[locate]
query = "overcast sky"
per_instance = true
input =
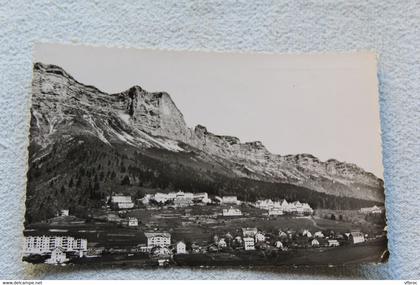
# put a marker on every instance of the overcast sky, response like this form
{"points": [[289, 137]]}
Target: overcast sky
{"points": [[323, 104]]}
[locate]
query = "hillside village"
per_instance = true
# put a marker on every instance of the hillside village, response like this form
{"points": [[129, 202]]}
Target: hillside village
{"points": [[159, 243]]}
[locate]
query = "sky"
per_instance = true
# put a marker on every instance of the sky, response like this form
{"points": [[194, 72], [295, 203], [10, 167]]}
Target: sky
{"points": [[323, 104]]}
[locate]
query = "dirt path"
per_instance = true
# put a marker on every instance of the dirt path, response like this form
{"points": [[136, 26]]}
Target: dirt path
{"points": [[315, 224]]}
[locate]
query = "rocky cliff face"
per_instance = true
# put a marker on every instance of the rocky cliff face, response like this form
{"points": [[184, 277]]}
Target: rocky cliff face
{"points": [[64, 107]]}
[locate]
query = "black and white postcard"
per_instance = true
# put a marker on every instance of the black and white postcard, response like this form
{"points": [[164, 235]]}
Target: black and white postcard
{"points": [[178, 158]]}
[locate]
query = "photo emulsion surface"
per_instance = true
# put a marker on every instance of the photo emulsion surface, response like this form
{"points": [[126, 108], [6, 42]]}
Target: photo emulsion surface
{"points": [[161, 158]]}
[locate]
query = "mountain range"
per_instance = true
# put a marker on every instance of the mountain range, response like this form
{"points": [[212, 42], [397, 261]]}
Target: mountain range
{"points": [[85, 144]]}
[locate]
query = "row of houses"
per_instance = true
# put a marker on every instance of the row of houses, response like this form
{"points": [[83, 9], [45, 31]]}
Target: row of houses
{"points": [[160, 242], [184, 199], [278, 208]]}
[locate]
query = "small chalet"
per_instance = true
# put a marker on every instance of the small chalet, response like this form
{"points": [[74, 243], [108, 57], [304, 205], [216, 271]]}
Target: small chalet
{"points": [[181, 248], [315, 243], [357, 237], [333, 242], [133, 222], [231, 212], [58, 256], [249, 232]]}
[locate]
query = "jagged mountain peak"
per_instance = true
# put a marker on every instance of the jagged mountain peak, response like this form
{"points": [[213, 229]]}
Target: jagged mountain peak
{"points": [[63, 106]]}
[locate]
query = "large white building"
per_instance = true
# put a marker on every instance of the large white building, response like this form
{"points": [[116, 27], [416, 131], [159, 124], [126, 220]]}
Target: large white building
{"points": [[46, 244], [180, 198], [276, 208], [249, 243], [121, 201], [158, 239]]}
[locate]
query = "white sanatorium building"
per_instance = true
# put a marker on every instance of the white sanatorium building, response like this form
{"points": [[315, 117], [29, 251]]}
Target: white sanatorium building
{"points": [[276, 208], [180, 198], [158, 239], [47, 244], [121, 201]]}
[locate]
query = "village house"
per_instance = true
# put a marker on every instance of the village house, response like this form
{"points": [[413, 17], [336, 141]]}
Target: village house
{"points": [[249, 232], [133, 222], [279, 244], [181, 248], [259, 237], [158, 239], [282, 234], [46, 244], [120, 201], [315, 243], [249, 243], [264, 204], [318, 234], [306, 209], [357, 237], [161, 251], [333, 242], [231, 212], [306, 233], [222, 243], [372, 210], [58, 256]]}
